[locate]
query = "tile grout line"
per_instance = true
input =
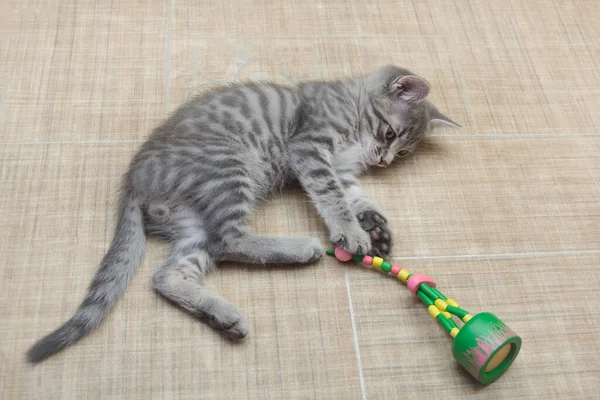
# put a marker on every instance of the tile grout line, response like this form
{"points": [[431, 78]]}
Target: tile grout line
{"points": [[500, 255], [445, 135], [168, 56], [302, 37], [3, 98], [514, 135], [458, 70], [355, 337], [314, 56], [81, 142]]}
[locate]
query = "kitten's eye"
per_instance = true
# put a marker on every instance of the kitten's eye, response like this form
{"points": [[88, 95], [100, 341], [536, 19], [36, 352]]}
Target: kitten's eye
{"points": [[403, 153], [390, 134]]}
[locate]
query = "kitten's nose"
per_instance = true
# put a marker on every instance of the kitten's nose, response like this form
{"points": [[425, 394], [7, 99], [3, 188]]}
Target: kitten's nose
{"points": [[383, 163]]}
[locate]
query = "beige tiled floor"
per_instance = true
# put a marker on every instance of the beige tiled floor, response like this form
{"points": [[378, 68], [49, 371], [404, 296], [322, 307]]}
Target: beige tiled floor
{"points": [[529, 66], [300, 18], [504, 212]]}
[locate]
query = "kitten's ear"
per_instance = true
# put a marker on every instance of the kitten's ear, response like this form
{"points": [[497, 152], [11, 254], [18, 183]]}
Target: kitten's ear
{"points": [[410, 88], [439, 120]]}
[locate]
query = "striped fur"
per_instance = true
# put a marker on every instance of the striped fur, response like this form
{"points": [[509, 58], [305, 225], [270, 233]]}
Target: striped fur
{"points": [[197, 178]]}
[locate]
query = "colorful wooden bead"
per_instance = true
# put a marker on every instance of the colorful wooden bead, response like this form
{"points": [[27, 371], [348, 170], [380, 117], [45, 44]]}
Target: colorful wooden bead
{"points": [[377, 261], [441, 304], [415, 281], [395, 269], [342, 254], [452, 303], [367, 260], [433, 310], [403, 275], [454, 332], [386, 266]]}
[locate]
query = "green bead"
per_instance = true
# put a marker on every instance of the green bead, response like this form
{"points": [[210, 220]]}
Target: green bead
{"points": [[427, 290], [486, 340], [454, 325], [357, 258], [386, 266], [444, 322], [424, 298], [459, 312], [439, 294]]}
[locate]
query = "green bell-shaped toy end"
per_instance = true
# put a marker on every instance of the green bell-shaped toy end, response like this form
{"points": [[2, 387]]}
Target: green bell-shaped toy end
{"points": [[486, 347]]}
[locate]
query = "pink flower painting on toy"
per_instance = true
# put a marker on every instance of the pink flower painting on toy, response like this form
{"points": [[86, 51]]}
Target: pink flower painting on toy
{"points": [[480, 353]]}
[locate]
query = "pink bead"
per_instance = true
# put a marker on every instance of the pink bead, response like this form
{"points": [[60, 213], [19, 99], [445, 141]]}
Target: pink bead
{"points": [[395, 269], [415, 281], [342, 254], [367, 260]]}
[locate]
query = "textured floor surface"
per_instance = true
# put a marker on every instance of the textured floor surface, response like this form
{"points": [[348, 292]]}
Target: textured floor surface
{"points": [[505, 212]]}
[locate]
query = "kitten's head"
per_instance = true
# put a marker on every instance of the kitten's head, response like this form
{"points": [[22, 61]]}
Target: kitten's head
{"points": [[398, 114]]}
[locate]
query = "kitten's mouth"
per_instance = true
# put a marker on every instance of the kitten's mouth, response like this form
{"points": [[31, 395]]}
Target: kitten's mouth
{"points": [[375, 157], [382, 163]]}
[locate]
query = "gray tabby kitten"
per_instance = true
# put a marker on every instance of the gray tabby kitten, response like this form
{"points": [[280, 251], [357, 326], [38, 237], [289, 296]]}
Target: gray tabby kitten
{"points": [[197, 178]]}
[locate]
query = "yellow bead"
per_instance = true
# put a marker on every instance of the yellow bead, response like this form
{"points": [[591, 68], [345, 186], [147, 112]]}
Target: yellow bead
{"points": [[377, 261], [452, 303], [403, 275], [433, 310], [441, 304], [467, 317], [454, 332], [447, 314]]}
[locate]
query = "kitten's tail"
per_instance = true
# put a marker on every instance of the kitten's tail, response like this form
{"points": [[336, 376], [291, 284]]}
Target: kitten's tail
{"points": [[118, 265]]}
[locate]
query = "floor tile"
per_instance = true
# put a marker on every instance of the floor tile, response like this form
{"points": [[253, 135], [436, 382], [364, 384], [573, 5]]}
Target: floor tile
{"points": [[464, 194], [97, 73], [199, 64], [528, 68], [294, 18]]}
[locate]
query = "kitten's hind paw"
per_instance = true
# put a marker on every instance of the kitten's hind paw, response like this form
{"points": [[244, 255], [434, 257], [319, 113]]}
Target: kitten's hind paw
{"points": [[225, 318], [376, 226], [311, 251]]}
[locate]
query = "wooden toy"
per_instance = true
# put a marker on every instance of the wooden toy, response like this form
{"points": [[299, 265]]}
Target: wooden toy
{"points": [[484, 345]]}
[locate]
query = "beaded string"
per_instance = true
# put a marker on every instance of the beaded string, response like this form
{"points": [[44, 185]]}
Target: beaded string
{"points": [[439, 306]]}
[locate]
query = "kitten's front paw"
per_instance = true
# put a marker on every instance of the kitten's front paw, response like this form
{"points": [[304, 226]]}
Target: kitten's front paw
{"points": [[376, 225], [355, 241]]}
